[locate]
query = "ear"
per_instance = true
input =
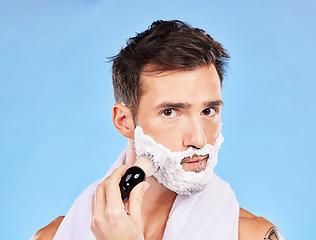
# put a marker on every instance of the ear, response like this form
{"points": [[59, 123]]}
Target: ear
{"points": [[122, 118]]}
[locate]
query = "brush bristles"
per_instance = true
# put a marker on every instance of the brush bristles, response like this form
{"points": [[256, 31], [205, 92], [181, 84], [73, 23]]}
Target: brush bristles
{"points": [[145, 163]]}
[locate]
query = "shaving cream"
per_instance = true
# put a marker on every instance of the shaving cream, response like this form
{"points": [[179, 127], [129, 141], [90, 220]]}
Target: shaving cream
{"points": [[170, 172]]}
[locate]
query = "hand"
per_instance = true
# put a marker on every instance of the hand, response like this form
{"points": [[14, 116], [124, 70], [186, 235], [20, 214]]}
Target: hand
{"points": [[109, 219]]}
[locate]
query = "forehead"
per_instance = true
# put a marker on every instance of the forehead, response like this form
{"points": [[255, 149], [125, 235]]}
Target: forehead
{"points": [[200, 84]]}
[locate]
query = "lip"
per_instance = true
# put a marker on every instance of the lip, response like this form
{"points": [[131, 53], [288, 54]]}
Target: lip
{"points": [[194, 163], [195, 159]]}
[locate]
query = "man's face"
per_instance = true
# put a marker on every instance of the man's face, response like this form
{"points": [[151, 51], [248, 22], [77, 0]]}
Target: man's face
{"points": [[180, 109]]}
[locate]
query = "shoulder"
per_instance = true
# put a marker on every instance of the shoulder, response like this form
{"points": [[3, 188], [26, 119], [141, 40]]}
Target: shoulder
{"points": [[48, 232], [252, 227]]}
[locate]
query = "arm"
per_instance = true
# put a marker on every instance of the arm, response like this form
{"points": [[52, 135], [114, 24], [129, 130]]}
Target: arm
{"points": [[48, 232], [252, 227], [273, 234]]}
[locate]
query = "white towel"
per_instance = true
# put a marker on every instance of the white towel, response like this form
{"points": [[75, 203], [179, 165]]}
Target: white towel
{"points": [[210, 214]]}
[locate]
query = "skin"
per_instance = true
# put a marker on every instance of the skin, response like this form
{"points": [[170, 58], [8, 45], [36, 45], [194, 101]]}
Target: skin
{"points": [[170, 103], [48, 231]]}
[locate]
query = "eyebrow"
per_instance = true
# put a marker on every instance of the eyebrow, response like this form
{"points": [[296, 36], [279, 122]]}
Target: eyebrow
{"points": [[218, 103], [188, 105], [173, 105]]}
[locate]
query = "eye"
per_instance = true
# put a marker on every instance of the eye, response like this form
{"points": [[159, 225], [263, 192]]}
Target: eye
{"points": [[170, 113], [210, 112]]}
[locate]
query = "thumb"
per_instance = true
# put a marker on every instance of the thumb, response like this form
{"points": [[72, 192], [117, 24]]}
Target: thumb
{"points": [[135, 202]]}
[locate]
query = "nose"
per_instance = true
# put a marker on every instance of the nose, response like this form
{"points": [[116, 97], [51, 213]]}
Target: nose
{"points": [[194, 134]]}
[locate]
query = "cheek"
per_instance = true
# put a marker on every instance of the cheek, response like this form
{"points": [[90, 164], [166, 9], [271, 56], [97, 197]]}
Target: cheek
{"points": [[168, 135], [211, 131]]}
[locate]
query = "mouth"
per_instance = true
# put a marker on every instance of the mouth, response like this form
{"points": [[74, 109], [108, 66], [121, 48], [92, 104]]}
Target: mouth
{"points": [[194, 163]]}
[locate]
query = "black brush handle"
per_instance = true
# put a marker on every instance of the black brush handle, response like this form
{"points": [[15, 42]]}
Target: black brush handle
{"points": [[130, 179]]}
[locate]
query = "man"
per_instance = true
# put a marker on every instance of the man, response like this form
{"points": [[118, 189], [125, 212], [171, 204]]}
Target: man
{"points": [[167, 86]]}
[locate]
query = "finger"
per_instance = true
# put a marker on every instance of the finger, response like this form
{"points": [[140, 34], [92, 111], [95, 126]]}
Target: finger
{"points": [[92, 209], [135, 202], [112, 189], [100, 197], [93, 205]]}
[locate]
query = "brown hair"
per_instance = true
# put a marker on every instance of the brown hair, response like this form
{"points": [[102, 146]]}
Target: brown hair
{"points": [[165, 46]]}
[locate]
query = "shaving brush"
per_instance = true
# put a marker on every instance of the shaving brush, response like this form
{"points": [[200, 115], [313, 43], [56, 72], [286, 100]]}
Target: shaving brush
{"points": [[144, 166]]}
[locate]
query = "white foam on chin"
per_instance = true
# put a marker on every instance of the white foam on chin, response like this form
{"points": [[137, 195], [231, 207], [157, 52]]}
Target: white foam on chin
{"points": [[170, 172]]}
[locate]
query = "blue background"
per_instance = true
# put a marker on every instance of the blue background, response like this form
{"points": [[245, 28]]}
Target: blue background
{"points": [[56, 133]]}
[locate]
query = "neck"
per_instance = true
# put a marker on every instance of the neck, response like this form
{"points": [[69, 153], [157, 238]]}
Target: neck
{"points": [[157, 202], [156, 206], [130, 154]]}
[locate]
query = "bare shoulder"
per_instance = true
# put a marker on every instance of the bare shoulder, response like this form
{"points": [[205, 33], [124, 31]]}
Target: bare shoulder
{"points": [[48, 232], [252, 227]]}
